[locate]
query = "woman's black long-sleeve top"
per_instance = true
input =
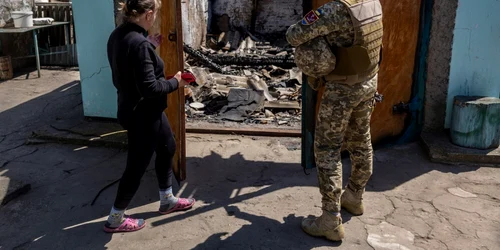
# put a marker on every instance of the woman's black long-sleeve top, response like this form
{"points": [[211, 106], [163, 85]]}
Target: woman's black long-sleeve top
{"points": [[138, 75]]}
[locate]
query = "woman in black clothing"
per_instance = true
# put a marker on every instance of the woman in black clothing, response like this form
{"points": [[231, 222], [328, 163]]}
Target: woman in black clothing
{"points": [[138, 75]]}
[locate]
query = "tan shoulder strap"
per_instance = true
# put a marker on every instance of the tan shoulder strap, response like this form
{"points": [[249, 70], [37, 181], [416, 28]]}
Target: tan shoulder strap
{"points": [[364, 11]]}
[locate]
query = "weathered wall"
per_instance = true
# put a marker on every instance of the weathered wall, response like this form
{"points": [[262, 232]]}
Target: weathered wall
{"points": [[271, 15], [476, 54], [239, 11], [438, 63], [194, 22], [278, 15]]}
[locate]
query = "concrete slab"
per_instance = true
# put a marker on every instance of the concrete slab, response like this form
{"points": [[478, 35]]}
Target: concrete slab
{"points": [[252, 194], [461, 193], [440, 149], [389, 237]]}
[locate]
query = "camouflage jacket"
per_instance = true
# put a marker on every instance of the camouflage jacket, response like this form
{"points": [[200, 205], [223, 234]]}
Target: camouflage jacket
{"points": [[332, 22]]}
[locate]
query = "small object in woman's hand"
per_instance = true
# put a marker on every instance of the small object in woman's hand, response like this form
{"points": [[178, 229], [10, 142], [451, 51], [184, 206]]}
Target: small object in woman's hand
{"points": [[155, 39], [186, 76]]}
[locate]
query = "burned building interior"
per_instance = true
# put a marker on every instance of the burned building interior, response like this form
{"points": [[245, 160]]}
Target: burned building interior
{"points": [[244, 66]]}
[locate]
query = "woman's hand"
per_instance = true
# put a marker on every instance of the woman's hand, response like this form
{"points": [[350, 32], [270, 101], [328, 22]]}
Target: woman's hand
{"points": [[181, 81]]}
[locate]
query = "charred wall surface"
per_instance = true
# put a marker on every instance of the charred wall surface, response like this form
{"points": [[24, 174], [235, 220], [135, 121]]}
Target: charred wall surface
{"points": [[264, 16]]}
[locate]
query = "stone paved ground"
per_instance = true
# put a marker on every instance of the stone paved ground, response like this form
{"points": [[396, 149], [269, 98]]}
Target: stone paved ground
{"points": [[251, 191]]}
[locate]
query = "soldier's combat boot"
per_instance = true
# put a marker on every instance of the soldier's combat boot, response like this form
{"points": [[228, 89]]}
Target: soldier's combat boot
{"points": [[327, 225], [352, 200]]}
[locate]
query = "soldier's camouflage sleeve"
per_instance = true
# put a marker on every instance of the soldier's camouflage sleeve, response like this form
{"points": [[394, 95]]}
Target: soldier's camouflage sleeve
{"points": [[326, 19]]}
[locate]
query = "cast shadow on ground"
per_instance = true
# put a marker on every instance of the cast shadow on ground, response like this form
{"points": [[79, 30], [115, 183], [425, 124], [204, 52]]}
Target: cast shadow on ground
{"points": [[212, 179], [264, 233], [220, 181], [18, 124], [216, 181]]}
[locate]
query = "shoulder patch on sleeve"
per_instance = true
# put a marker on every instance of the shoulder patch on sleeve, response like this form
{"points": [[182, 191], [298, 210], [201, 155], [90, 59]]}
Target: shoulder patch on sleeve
{"points": [[312, 16]]}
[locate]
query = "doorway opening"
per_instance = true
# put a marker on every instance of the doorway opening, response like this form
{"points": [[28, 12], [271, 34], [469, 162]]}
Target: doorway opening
{"points": [[247, 77]]}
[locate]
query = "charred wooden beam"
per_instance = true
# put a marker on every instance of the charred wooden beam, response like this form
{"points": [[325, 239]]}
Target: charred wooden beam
{"points": [[204, 59], [281, 61], [282, 105], [255, 5], [241, 131]]}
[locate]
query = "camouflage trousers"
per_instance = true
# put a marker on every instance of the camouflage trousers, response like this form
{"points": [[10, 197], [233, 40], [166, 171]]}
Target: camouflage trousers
{"points": [[345, 112]]}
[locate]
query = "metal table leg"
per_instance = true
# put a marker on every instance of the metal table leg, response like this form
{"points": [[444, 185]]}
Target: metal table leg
{"points": [[37, 53]]}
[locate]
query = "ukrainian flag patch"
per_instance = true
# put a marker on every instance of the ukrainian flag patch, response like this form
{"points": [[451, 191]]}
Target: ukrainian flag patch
{"points": [[312, 17]]}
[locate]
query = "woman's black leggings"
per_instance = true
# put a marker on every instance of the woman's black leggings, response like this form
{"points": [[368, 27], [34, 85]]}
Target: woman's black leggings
{"points": [[144, 138]]}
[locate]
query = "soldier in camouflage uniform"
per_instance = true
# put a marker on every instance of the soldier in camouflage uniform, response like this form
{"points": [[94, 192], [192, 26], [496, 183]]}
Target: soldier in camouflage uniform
{"points": [[339, 46]]}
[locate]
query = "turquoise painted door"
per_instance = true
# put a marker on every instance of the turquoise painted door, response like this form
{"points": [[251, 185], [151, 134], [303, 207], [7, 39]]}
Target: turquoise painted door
{"points": [[94, 22]]}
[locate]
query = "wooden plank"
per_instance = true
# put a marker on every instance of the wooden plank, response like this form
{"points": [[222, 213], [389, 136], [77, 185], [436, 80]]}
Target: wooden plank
{"points": [[43, 35], [72, 27], [241, 131], [67, 16], [56, 40], [35, 27], [61, 37], [51, 32], [172, 54], [60, 12], [282, 105], [63, 56], [35, 11]]}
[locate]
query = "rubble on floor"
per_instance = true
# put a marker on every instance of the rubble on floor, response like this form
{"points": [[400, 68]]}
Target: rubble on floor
{"points": [[244, 79]]}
